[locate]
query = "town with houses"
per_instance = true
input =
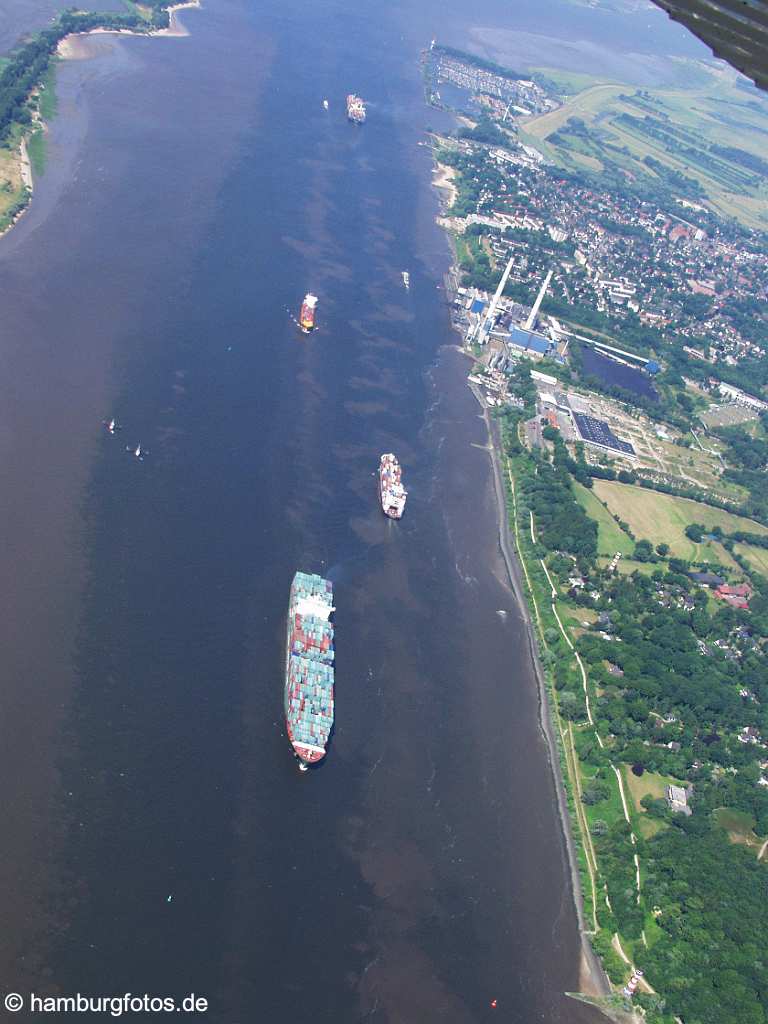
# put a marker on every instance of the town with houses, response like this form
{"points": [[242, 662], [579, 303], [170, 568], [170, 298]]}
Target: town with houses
{"points": [[671, 266], [613, 338]]}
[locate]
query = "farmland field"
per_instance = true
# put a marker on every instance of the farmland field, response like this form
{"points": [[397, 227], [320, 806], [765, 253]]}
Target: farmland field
{"points": [[610, 537], [697, 132], [757, 557], [662, 518]]}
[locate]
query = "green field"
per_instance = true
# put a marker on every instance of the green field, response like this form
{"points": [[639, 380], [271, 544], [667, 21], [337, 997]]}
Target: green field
{"points": [[647, 784], [679, 128], [610, 537], [739, 825], [757, 557], [627, 566], [570, 82], [662, 518]]}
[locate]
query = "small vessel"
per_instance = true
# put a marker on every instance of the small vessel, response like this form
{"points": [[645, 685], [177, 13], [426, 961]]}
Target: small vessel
{"points": [[355, 109], [309, 671], [406, 279], [391, 490], [325, 104], [307, 314], [138, 451], [112, 426]]}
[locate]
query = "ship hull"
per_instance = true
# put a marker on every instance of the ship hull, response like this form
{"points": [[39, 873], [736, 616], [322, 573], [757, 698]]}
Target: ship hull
{"points": [[355, 109], [308, 695], [392, 494], [307, 313], [389, 511]]}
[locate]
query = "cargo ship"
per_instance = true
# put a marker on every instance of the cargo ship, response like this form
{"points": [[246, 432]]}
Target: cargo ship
{"points": [[391, 489], [309, 673], [355, 109], [307, 314]]}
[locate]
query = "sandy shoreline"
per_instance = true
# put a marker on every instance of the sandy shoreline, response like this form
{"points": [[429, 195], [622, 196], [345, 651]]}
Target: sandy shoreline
{"points": [[75, 47], [443, 179], [25, 164], [72, 47]]}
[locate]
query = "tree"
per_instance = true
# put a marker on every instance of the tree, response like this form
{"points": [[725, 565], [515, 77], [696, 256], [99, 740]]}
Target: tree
{"points": [[570, 705]]}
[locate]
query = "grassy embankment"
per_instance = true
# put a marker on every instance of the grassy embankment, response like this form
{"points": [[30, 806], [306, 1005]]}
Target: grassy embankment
{"points": [[47, 106], [13, 193]]}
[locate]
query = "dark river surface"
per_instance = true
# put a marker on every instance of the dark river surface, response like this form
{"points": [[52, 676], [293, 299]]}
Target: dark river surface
{"points": [[195, 190]]}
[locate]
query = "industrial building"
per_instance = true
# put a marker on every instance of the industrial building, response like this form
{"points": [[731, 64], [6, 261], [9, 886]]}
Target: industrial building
{"points": [[598, 434], [528, 342]]}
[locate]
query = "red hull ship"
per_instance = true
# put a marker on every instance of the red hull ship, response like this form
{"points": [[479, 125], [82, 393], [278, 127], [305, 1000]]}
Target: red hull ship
{"points": [[307, 314]]}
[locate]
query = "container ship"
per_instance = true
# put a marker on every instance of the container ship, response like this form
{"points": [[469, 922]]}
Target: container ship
{"points": [[307, 313], [309, 668], [391, 489], [355, 109]]}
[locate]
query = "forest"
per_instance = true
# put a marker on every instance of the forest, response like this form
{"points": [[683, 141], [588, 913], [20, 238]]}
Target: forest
{"points": [[679, 691]]}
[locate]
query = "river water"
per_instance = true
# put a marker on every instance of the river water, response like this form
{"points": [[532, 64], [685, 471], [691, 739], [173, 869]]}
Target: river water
{"points": [[158, 837]]}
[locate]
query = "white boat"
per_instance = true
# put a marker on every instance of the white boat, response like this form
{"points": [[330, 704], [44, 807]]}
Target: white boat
{"points": [[325, 104], [111, 426], [406, 279]]}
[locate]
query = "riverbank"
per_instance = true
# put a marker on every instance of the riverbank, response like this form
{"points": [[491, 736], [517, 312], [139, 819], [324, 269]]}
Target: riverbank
{"points": [[15, 183], [16, 174], [594, 984], [593, 981], [73, 46], [443, 179], [595, 987]]}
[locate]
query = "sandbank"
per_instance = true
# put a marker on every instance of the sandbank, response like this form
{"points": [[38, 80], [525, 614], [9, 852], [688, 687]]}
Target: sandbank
{"points": [[444, 176], [75, 47]]}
